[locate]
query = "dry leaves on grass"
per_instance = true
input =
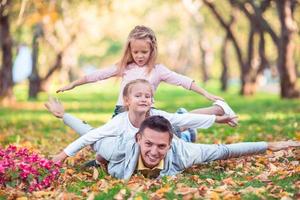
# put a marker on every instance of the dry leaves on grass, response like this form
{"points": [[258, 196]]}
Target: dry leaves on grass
{"points": [[229, 179]]}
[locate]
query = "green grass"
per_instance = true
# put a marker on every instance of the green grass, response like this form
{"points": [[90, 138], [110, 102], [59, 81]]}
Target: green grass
{"points": [[262, 117]]}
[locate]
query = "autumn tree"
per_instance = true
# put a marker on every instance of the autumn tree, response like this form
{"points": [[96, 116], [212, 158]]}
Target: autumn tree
{"points": [[44, 21], [6, 82], [258, 25]]}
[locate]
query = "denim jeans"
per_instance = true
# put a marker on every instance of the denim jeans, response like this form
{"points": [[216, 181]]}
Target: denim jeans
{"points": [[118, 110]]}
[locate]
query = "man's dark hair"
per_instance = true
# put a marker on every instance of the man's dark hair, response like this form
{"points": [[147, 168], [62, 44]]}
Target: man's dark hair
{"points": [[157, 123]]}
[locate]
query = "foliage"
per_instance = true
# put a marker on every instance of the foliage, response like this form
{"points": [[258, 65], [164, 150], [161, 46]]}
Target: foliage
{"points": [[262, 117]]}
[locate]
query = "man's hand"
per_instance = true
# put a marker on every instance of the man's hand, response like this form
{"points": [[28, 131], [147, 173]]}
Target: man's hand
{"points": [[277, 146], [59, 158]]}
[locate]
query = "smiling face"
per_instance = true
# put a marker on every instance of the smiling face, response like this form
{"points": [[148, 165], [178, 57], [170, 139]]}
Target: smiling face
{"points": [[140, 51], [154, 146], [139, 98]]}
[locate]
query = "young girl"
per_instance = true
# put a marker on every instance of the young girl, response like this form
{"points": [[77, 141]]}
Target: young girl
{"points": [[137, 98], [139, 62]]}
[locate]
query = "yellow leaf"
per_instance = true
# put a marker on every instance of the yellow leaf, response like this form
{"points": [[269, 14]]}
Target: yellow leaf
{"points": [[95, 173], [40, 194], [91, 196], [160, 192], [210, 181], [70, 171], [213, 195], [273, 168], [138, 198], [22, 198]]}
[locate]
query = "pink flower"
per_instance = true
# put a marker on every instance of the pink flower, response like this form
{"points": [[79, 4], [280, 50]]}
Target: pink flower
{"points": [[45, 163], [29, 169]]}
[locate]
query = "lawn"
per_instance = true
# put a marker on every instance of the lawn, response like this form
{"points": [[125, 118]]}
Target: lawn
{"points": [[262, 117]]}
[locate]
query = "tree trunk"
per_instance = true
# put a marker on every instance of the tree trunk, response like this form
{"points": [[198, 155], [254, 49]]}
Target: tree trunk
{"points": [[224, 56], [248, 75], [285, 62], [204, 66], [34, 78], [6, 81]]}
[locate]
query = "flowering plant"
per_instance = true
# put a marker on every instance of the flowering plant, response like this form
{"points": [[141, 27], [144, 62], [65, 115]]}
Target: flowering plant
{"points": [[26, 170]]}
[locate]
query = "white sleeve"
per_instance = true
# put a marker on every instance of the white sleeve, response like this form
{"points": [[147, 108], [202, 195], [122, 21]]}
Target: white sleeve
{"points": [[110, 129], [192, 154], [189, 120]]}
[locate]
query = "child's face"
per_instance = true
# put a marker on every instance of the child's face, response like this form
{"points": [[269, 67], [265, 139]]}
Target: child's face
{"points": [[140, 51], [139, 98]]}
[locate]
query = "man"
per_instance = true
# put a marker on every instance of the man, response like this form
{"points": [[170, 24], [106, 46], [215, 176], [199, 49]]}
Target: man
{"points": [[155, 152]]}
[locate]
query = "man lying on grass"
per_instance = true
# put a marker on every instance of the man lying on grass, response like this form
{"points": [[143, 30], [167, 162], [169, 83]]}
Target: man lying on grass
{"points": [[156, 152]]}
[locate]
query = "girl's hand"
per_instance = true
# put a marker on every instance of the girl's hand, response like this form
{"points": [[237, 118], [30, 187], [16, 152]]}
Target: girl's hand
{"points": [[68, 87], [59, 158], [213, 97]]}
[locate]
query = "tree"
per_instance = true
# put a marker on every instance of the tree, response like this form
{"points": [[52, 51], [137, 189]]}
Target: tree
{"points": [[44, 30], [286, 46], [6, 82], [193, 9], [258, 25]]}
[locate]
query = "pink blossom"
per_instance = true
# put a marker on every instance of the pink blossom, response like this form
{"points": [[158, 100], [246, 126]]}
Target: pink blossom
{"points": [[19, 165]]}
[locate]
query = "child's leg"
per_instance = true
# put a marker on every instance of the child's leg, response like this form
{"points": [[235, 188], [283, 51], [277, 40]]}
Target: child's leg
{"points": [[213, 110], [186, 134], [79, 126], [218, 108]]}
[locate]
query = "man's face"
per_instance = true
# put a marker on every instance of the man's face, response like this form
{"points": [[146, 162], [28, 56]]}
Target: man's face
{"points": [[154, 146]]}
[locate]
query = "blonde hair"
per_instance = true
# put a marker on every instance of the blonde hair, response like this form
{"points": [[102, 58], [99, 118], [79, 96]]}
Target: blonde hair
{"points": [[142, 33], [128, 87]]}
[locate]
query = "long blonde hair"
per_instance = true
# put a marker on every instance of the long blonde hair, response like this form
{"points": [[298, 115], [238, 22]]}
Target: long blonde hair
{"points": [[144, 33], [128, 87]]}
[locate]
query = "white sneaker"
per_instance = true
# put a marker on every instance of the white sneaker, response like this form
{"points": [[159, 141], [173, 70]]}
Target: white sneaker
{"points": [[227, 110]]}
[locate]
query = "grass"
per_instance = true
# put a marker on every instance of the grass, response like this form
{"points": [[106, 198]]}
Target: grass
{"points": [[262, 117]]}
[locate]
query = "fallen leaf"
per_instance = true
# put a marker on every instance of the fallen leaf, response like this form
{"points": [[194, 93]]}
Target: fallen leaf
{"points": [[21, 198], [185, 190], [210, 181], [95, 173], [91, 196], [160, 192], [120, 195], [228, 181]]}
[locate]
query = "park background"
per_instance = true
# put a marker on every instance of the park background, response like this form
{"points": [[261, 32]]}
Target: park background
{"points": [[245, 51]]}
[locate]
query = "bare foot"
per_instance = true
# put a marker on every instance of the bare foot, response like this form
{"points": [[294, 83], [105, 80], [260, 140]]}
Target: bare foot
{"points": [[55, 107]]}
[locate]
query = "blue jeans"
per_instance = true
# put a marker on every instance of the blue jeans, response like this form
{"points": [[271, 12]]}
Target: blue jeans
{"points": [[118, 110]]}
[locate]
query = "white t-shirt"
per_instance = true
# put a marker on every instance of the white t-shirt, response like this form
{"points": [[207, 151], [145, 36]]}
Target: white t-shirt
{"points": [[121, 126]]}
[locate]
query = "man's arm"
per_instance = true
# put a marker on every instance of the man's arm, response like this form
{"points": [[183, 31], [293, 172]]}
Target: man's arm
{"points": [[191, 154]]}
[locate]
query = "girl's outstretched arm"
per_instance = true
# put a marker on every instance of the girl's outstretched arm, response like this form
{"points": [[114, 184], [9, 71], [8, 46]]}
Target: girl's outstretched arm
{"points": [[74, 84], [203, 92], [174, 78], [94, 77]]}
